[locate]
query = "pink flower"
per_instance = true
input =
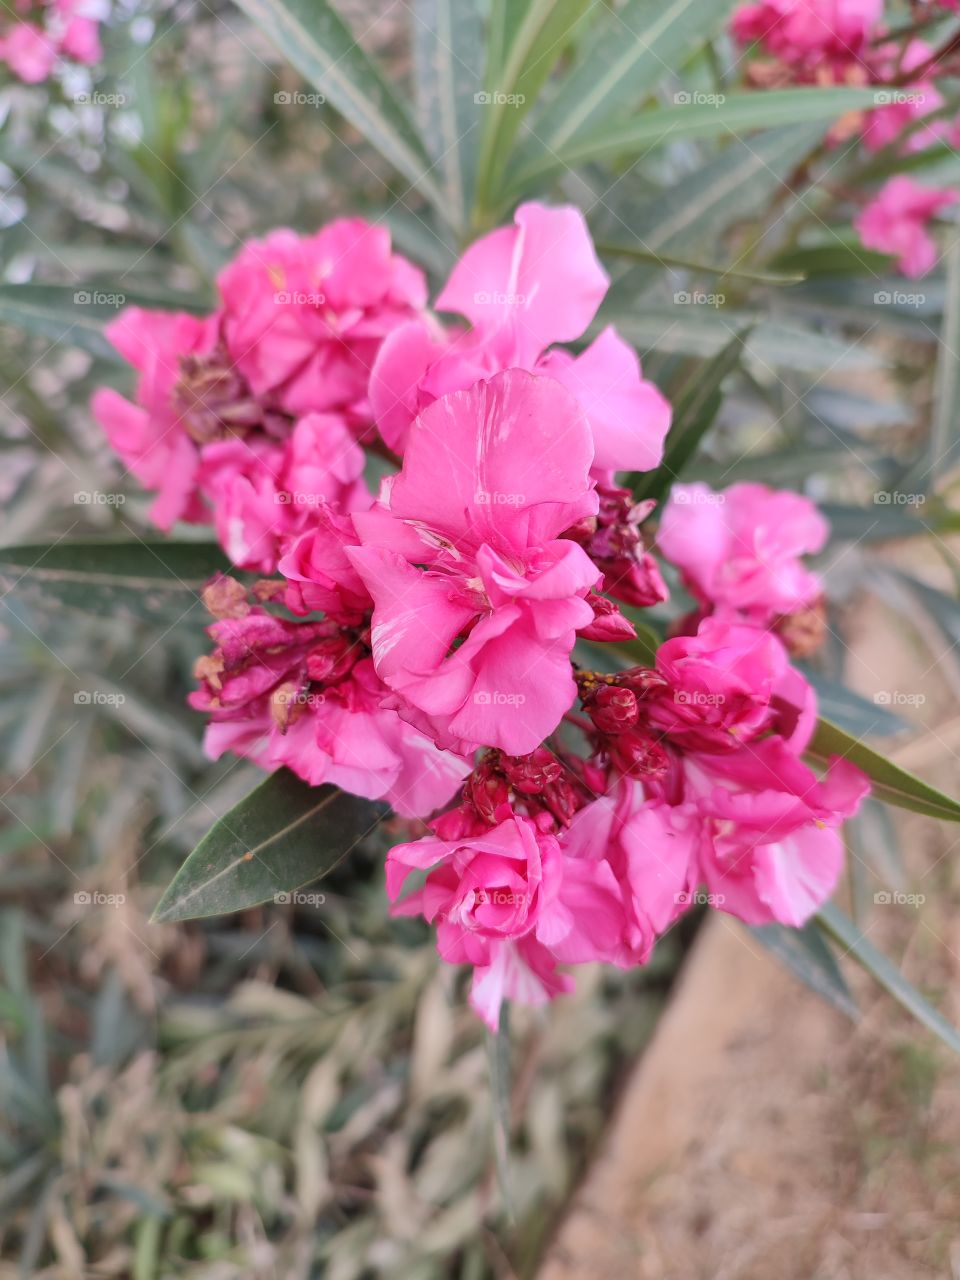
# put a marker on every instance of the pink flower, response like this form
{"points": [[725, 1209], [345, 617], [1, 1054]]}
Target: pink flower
{"points": [[257, 406], [151, 436], [263, 494], [722, 688], [769, 849], [304, 316], [902, 104], [650, 849], [810, 33], [895, 222], [524, 288], [477, 598], [510, 903], [740, 550], [305, 695], [28, 51]]}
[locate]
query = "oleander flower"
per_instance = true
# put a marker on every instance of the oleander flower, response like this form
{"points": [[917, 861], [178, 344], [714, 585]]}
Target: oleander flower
{"points": [[895, 221], [739, 550], [477, 598], [509, 902], [523, 289]]}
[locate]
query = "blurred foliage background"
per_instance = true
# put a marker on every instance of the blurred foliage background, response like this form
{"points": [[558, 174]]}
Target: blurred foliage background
{"points": [[300, 1090]]}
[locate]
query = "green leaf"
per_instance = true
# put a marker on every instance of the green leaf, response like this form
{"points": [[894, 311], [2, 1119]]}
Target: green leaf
{"points": [[693, 213], [843, 930], [448, 58], [636, 253], [890, 783], [628, 53], [737, 113], [314, 39], [874, 524], [76, 316], [693, 415], [134, 579], [808, 957], [945, 428], [855, 714], [281, 836], [527, 39], [704, 330]]}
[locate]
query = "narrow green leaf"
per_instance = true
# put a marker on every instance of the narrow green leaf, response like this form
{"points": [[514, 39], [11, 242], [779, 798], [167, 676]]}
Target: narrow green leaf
{"points": [[528, 37], [448, 57], [808, 957], [629, 52], [76, 316], [849, 710], [636, 253], [283, 835], [737, 113], [842, 930], [945, 428], [313, 37], [694, 326], [693, 415], [133, 579], [890, 783]]}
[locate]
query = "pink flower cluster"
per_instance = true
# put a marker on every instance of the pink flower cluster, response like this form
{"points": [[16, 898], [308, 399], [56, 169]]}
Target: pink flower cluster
{"points": [[846, 42], [35, 33], [418, 646]]}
